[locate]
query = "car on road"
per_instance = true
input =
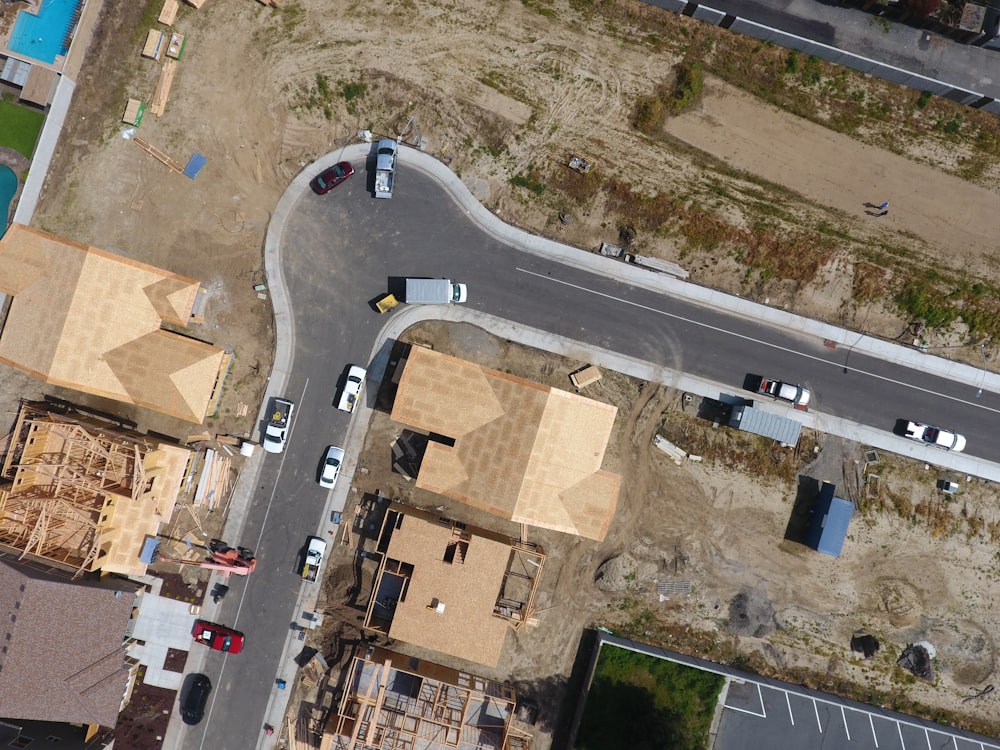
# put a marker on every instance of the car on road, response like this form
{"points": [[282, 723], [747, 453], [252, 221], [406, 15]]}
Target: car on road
{"points": [[936, 436], [333, 459], [796, 395], [193, 707], [218, 637], [353, 384], [330, 177]]}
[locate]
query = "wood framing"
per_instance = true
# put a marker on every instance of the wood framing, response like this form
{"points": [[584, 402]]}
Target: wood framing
{"points": [[450, 587], [386, 706], [84, 493]]}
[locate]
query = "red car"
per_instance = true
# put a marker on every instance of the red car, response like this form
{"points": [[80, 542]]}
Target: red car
{"points": [[218, 637], [329, 178]]}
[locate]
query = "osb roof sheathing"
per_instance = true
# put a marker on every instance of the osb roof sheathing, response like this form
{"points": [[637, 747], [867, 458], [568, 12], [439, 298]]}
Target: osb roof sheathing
{"points": [[522, 450], [467, 628], [86, 319], [62, 658]]}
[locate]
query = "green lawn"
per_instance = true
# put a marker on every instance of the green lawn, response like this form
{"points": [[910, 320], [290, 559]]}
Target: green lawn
{"points": [[19, 127], [641, 703]]}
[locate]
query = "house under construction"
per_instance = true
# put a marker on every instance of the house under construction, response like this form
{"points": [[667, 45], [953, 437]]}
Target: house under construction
{"points": [[394, 702], [450, 587], [81, 493]]}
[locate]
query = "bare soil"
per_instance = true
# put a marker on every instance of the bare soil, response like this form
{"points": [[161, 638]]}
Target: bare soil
{"points": [[505, 90]]}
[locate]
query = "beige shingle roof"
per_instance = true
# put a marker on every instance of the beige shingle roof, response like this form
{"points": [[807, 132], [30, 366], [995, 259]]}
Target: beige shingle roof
{"points": [[86, 319], [522, 450], [62, 657]]}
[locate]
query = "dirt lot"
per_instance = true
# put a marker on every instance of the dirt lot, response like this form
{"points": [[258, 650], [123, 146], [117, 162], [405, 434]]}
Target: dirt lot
{"points": [[504, 93]]}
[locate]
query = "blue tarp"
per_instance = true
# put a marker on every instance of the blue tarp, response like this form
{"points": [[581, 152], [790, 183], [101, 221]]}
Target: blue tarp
{"points": [[194, 165], [831, 517], [150, 546]]}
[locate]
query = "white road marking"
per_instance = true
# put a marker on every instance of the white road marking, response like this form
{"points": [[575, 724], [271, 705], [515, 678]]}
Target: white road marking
{"points": [[752, 340], [871, 721], [789, 704]]}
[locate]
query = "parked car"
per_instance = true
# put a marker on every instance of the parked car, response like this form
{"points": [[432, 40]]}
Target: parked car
{"points": [[353, 384], [193, 707], [218, 637], [330, 177], [936, 436], [796, 395], [332, 461]]}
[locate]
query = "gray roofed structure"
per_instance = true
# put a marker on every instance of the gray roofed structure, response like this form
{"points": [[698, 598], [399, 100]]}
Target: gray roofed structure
{"points": [[62, 657]]}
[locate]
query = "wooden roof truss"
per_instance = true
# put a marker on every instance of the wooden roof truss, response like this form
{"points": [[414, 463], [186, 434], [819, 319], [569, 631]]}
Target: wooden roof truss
{"points": [[437, 716], [64, 479]]}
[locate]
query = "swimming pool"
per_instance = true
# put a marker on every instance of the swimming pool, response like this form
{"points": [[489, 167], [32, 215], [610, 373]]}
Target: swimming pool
{"points": [[46, 35], [8, 186]]}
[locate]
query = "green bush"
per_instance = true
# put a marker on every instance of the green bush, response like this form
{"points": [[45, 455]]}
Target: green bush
{"points": [[687, 89]]}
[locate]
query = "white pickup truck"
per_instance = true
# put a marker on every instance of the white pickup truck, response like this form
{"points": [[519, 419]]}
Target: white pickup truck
{"points": [[352, 388], [276, 431], [796, 395], [315, 550], [936, 436]]}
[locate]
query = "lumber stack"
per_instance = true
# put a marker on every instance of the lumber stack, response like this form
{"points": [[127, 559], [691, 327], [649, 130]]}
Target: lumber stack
{"points": [[163, 84], [214, 482], [169, 13]]}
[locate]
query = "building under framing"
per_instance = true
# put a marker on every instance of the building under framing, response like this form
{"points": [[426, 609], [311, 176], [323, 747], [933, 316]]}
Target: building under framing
{"points": [[394, 702], [93, 321], [449, 587], [514, 448], [83, 494]]}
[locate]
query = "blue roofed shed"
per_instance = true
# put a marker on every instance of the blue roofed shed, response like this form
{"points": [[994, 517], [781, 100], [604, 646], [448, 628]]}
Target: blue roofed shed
{"points": [[831, 517]]}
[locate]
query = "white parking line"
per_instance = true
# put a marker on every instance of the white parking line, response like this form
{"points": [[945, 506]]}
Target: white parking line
{"points": [[843, 716], [874, 736], [788, 701], [818, 722], [899, 728], [763, 711]]}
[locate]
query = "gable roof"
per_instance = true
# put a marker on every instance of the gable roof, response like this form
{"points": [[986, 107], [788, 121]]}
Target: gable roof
{"points": [[522, 451], [63, 657], [87, 319]]}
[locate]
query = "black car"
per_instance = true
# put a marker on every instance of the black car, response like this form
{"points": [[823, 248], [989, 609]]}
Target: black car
{"points": [[193, 707]]}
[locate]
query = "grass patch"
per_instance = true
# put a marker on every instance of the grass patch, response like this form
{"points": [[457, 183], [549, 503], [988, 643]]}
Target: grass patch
{"points": [[641, 702], [529, 182], [19, 127]]}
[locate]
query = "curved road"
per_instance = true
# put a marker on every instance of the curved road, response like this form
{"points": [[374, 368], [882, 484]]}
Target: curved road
{"points": [[338, 252]]}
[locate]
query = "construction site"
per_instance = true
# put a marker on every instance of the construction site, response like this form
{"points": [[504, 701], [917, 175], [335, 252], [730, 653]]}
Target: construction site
{"points": [[82, 493], [394, 702]]}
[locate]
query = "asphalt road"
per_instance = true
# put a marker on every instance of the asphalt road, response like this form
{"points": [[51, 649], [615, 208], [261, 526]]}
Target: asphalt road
{"points": [[341, 251]]}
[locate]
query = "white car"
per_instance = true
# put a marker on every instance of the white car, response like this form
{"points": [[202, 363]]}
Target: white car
{"points": [[935, 436], [352, 388], [332, 462]]}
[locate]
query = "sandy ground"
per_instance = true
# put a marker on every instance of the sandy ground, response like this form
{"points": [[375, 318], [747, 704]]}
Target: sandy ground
{"points": [[499, 90]]}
